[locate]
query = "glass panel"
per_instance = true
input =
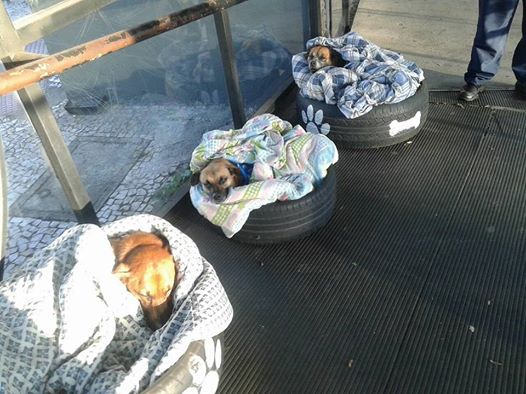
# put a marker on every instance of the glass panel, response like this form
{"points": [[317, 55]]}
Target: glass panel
{"points": [[26, 166], [133, 118], [131, 121], [265, 35]]}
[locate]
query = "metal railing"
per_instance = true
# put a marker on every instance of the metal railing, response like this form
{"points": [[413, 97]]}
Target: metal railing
{"points": [[34, 71]]}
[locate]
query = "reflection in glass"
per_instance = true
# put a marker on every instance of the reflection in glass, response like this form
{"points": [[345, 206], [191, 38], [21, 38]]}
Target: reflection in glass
{"points": [[265, 35]]}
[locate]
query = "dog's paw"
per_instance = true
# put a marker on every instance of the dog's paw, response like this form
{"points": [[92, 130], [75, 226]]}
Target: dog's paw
{"points": [[314, 121]]}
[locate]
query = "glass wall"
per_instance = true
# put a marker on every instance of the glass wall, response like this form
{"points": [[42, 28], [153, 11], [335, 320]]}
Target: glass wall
{"points": [[132, 119], [265, 35], [26, 165]]}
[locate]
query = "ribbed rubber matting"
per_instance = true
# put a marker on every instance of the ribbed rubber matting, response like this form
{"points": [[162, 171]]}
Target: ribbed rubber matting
{"points": [[416, 285], [500, 99]]}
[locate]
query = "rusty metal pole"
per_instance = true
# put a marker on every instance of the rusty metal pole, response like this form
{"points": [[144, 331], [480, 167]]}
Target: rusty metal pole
{"points": [[32, 72]]}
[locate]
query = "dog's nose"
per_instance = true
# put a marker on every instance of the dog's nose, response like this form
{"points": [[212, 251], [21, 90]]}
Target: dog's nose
{"points": [[314, 65], [218, 197]]}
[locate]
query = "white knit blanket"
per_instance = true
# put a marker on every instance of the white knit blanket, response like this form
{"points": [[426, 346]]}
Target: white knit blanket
{"points": [[68, 325]]}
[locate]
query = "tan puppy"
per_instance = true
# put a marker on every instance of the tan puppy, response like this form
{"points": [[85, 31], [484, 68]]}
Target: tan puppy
{"points": [[217, 178], [320, 56], [145, 265]]}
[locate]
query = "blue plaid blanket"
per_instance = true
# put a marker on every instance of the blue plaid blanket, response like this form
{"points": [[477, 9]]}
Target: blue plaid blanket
{"points": [[372, 76]]}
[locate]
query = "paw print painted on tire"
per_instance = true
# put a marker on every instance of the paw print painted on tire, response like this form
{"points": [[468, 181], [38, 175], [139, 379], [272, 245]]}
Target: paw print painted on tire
{"points": [[314, 121]]}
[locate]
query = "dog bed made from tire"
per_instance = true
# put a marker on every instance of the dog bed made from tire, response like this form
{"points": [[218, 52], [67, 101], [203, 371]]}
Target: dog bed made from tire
{"points": [[284, 221], [384, 125], [197, 371]]}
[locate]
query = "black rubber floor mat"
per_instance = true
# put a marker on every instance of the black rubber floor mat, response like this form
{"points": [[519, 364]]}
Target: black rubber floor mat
{"points": [[336, 312], [467, 334], [491, 98]]}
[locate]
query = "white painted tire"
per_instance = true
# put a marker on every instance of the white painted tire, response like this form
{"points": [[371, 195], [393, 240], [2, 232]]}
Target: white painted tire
{"points": [[197, 371]]}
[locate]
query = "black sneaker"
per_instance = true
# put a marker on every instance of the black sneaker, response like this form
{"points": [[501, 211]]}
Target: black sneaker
{"points": [[520, 87], [470, 92]]}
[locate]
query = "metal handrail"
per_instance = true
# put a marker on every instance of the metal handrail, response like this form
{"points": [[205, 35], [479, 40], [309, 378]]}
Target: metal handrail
{"points": [[37, 70], [39, 24]]}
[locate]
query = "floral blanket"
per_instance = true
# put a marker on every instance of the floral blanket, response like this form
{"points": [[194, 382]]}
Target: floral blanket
{"points": [[288, 164], [68, 325], [372, 76]]}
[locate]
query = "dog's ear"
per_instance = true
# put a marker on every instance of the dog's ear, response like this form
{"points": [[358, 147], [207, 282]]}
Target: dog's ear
{"points": [[165, 242], [194, 180], [121, 247], [236, 173], [336, 58], [121, 271]]}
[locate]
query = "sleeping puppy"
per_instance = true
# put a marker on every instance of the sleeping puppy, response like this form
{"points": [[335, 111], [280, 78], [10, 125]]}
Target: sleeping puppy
{"points": [[320, 56], [217, 178], [145, 265]]}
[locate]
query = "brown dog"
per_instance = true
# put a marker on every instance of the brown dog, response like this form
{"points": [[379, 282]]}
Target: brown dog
{"points": [[320, 56], [145, 265], [217, 178]]}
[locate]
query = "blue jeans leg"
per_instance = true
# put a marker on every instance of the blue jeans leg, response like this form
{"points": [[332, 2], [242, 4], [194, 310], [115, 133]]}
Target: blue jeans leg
{"points": [[493, 26], [518, 63]]}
